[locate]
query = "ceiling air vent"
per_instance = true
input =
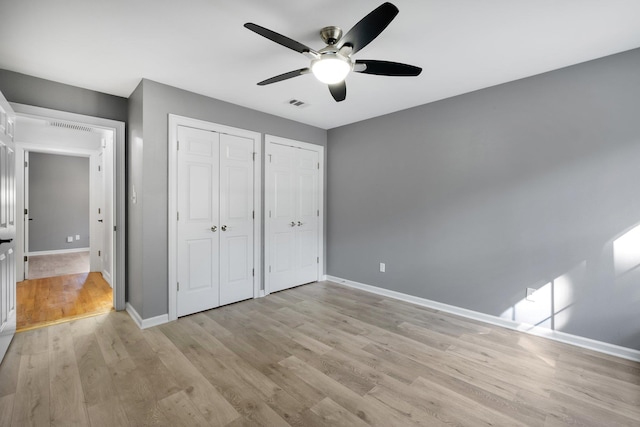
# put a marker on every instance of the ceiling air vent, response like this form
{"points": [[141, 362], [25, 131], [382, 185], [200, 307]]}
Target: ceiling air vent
{"points": [[71, 126], [297, 103]]}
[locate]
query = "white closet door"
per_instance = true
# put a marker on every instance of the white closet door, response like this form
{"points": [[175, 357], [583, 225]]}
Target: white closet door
{"points": [[198, 222], [236, 218], [306, 215], [283, 265], [293, 200]]}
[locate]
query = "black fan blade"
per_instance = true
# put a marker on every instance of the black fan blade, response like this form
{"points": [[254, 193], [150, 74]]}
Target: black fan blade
{"points": [[338, 91], [369, 27], [386, 68], [279, 38], [284, 76]]}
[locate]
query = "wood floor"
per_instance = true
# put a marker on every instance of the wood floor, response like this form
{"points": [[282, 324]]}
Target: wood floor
{"points": [[317, 355], [53, 299]]}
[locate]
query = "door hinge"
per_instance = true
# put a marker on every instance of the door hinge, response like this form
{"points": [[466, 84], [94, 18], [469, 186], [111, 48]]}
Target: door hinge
{"points": [[253, 214], [254, 156], [177, 145], [318, 165], [269, 214], [99, 168], [178, 286], [26, 211], [26, 258], [269, 158], [318, 260], [253, 271], [269, 269], [26, 164], [177, 216], [318, 212], [114, 228], [99, 253]]}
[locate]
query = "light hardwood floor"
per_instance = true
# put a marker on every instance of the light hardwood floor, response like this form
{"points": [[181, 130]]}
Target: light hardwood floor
{"points": [[316, 355], [54, 299]]}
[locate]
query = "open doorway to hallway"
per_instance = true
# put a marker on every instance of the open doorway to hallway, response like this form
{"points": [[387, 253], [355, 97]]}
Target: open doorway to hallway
{"points": [[68, 225]]}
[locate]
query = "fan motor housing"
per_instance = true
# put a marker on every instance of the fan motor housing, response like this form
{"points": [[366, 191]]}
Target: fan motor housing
{"points": [[331, 35]]}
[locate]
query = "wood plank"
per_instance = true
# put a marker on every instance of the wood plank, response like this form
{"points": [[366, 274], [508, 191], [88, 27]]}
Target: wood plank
{"points": [[6, 409], [67, 406], [108, 413], [31, 401]]}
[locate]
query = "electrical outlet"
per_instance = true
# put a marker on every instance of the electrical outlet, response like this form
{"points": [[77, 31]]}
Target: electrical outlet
{"points": [[383, 267], [69, 239], [531, 294], [77, 237]]}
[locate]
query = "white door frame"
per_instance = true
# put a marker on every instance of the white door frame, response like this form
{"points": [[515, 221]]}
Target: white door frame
{"points": [[174, 122], [269, 140], [120, 197]]}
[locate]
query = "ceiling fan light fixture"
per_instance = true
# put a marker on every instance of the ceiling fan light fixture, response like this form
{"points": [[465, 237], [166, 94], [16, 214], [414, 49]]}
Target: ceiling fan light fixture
{"points": [[331, 68]]}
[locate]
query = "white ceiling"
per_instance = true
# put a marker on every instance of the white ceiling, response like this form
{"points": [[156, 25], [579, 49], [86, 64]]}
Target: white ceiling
{"points": [[202, 46]]}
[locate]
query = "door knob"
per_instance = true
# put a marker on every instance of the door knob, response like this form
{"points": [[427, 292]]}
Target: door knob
{"points": [[224, 228], [5, 241], [214, 228], [293, 224], [299, 224]]}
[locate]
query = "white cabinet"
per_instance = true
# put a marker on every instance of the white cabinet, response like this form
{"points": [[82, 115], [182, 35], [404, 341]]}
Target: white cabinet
{"points": [[215, 218], [293, 213]]}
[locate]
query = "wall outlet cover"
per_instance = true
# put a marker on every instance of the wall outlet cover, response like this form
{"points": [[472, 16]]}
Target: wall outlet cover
{"points": [[77, 237], [383, 267], [69, 239]]}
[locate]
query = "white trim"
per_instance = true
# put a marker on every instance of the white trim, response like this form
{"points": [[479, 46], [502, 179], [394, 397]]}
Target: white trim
{"points": [[59, 251], [119, 190], [563, 337], [107, 277], [173, 122], [272, 139], [146, 323]]}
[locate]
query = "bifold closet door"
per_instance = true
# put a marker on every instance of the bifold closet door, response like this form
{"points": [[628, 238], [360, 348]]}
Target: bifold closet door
{"points": [[198, 220], [293, 205]]}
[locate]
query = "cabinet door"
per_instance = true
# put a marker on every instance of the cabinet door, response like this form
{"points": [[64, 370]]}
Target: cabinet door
{"points": [[198, 220], [236, 218]]}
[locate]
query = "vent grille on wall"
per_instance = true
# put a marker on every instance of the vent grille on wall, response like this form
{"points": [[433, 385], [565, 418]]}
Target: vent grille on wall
{"points": [[71, 126]]}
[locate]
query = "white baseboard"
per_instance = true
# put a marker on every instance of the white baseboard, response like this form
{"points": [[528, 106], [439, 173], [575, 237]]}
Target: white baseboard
{"points": [[59, 251], [146, 323], [599, 346]]}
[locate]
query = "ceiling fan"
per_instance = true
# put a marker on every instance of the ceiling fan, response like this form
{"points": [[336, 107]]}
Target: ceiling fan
{"points": [[333, 63]]}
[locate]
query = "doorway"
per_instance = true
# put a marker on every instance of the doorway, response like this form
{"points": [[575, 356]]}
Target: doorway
{"points": [[101, 143]]}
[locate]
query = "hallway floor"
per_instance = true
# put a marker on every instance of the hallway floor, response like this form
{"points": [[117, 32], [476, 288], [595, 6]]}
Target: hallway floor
{"points": [[41, 266], [52, 300]]}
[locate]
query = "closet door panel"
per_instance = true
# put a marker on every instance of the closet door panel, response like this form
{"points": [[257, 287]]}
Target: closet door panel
{"points": [[307, 215], [198, 198], [236, 218]]}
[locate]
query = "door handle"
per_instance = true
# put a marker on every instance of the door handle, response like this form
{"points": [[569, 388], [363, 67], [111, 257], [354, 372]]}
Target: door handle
{"points": [[214, 228], [293, 224], [100, 220], [299, 224], [224, 228], [5, 241]]}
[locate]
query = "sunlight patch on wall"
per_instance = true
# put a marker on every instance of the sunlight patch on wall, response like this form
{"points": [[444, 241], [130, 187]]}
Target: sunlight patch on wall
{"points": [[626, 251]]}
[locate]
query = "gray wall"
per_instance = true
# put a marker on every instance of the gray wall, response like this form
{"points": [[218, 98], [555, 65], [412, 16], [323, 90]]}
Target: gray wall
{"points": [[472, 199], [29, 90], [149, 223], [58, 201]]}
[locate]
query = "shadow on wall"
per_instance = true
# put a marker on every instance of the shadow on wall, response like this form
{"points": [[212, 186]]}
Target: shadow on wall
{"points": [[552, 305]]}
